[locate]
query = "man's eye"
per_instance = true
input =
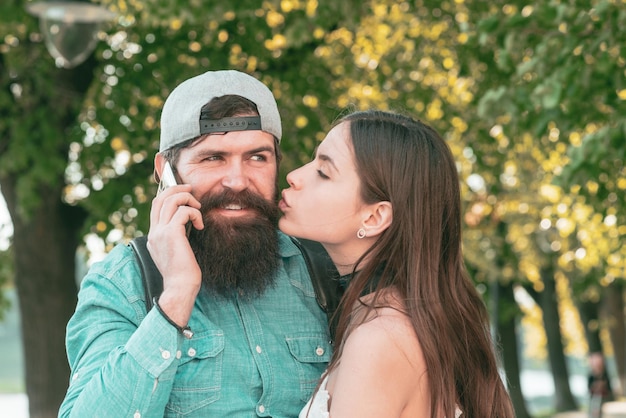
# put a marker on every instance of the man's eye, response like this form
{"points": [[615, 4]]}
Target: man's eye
{"points": [[322, 175], [213, 158], [259, 158]]}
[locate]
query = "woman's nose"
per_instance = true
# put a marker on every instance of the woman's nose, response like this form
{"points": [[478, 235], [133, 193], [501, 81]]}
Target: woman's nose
{"points": [[293, 178]]}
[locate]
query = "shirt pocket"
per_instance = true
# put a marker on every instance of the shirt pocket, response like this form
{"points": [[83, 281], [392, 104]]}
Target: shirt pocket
{"points": [[198, 380], [311, 353]]}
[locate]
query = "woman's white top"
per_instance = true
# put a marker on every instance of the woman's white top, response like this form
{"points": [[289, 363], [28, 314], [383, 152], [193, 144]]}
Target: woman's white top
{"points": [[318, 404], [317, 407]]}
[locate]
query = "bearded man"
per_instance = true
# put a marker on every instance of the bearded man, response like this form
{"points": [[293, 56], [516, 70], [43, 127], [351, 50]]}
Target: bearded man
{"points": [[236, 331]]}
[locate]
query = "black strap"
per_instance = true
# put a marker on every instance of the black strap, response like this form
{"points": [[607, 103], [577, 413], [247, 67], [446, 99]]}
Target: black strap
{"points": [[150, 274], [324, 277], [324, 274]]}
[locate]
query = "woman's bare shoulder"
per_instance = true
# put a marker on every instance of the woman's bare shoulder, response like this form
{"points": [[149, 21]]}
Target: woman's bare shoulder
{"points": [[386, 331], [382, 366]]}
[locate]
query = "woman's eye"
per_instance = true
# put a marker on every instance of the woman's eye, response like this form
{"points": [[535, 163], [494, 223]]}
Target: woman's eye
{"points": [[322, 175]]}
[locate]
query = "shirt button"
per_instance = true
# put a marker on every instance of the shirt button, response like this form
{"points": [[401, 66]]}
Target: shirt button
{"points": [[178, 354], [258, 350], [319, 351], [165, 354], [75, 376], [137, 415], [261, 408], [191, 352]]}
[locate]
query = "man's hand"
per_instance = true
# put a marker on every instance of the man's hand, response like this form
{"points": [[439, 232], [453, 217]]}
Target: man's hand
{"points": [[169, 247]]}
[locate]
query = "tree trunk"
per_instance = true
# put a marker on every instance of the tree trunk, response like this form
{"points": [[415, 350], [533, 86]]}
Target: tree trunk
{"points": [[45, 248], [46, 231], [510, 354], [504, 312], [564, 400], [614, 312], [589, 312]]}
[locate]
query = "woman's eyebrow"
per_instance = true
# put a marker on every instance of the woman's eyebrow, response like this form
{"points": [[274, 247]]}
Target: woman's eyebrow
{"points": [[329, 160]]}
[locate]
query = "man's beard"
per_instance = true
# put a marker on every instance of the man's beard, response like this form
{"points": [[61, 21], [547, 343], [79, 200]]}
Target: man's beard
{"points": [[237, 255]]}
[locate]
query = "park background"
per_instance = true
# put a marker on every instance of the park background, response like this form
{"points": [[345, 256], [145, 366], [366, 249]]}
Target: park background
{"points": [[530, 96]]}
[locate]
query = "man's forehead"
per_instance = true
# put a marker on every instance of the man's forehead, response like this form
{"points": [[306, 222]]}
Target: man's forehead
{"points": [[242, 141]]}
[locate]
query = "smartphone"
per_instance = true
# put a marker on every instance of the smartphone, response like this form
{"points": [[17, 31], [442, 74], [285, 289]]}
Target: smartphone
{"points": [[168, 180], [167, 177]]}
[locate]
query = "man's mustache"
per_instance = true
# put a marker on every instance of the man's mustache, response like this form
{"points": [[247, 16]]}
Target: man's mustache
{"points": [[245, 199]]}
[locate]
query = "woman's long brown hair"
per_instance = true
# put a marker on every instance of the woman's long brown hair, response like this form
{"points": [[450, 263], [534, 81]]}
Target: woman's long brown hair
{"points": [[406, 162]]}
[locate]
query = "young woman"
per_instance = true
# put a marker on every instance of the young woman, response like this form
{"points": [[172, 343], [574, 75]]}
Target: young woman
{"points": [[382, 196]]}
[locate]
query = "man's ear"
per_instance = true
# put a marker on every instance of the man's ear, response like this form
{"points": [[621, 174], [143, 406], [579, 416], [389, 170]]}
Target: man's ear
{"points": [[378, 218], [159, 162]]}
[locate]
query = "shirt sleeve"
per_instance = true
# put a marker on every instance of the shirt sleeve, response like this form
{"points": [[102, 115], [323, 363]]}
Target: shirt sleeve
{"points": [[121, 363]]}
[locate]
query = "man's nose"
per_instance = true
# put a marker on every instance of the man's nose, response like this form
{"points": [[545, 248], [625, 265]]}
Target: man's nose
{"points": [[235, 177]]}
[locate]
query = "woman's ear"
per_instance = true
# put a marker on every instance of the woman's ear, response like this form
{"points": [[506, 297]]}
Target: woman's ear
{"points": [[378, 218]]}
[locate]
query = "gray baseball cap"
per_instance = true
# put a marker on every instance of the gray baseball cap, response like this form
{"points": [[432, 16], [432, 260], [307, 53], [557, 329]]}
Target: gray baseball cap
{"points": [[180, 118]]}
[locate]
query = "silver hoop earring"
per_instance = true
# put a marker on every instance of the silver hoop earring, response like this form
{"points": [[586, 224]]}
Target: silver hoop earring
{"points": [[360, 234]]}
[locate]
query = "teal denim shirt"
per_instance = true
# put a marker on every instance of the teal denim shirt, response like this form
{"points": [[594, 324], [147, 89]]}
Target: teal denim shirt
{"points": [[258, 357]]}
